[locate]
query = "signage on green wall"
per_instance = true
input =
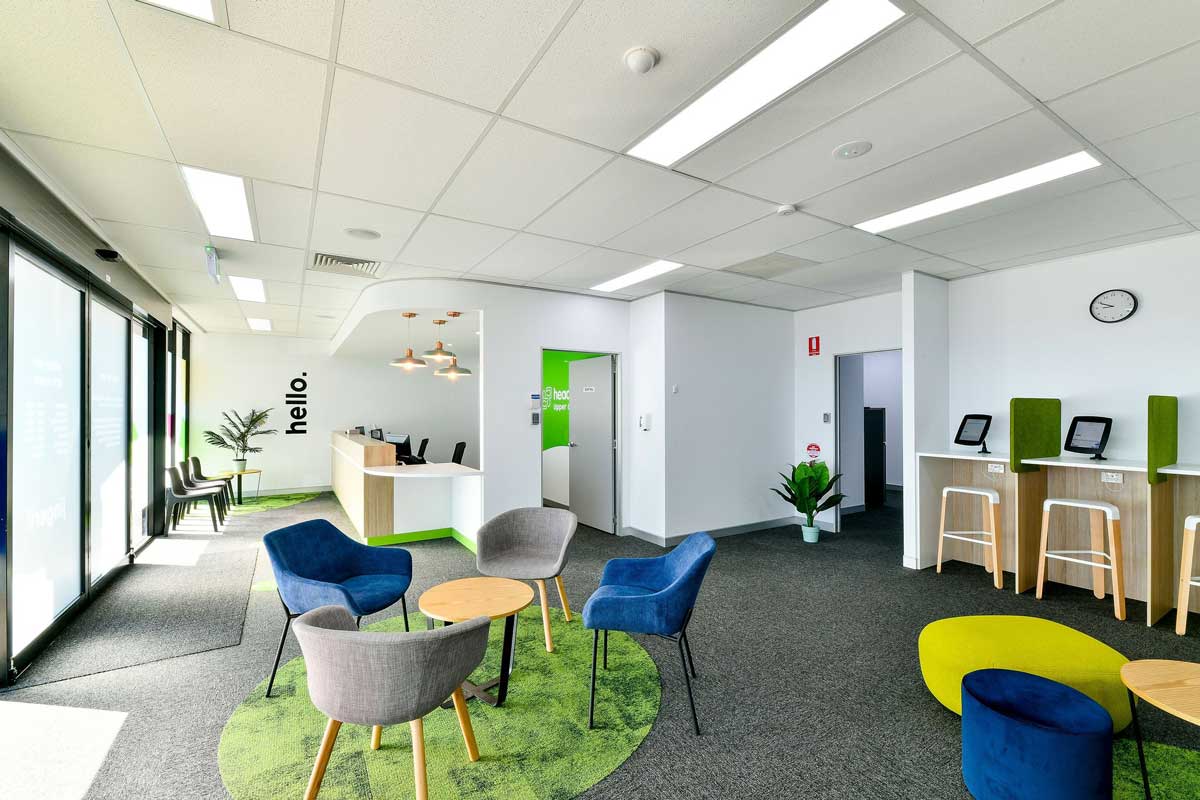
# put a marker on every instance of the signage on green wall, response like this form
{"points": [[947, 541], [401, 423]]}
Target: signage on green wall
{"points": [[556, 395]]}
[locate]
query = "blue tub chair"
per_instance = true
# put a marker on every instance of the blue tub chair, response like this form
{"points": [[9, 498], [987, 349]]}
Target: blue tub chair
{"points": [[652, 596], [317, 565]]}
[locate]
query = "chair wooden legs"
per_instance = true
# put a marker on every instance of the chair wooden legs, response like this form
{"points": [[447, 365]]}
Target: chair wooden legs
{"points": [[464, 722], [318, 773], [376, 737], [541, 584], [1097, 531], [941, 534], [1041, 579], [417, 727], [992, 514], [1185, 581], [1118, 568], [562, 595], [987, 551]]}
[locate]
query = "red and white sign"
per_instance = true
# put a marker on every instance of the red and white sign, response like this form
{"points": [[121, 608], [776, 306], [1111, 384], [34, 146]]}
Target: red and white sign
{"points": [[814, 451], [814, 345]]}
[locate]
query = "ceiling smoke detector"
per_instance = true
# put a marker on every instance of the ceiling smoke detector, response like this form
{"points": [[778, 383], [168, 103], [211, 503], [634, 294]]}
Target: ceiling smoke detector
{"points": [[363, 233], [859, 147], [640, 60], [787, 210]]}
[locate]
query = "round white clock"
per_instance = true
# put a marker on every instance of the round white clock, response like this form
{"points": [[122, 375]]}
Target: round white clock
{"points": [[1114, 305]]}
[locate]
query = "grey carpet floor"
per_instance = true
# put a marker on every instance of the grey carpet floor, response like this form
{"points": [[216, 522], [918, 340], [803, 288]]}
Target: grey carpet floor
{"points": [[809, 685]]}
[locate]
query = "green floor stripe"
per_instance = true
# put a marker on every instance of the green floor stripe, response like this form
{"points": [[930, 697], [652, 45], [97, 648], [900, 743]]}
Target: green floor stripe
{"points": [[537, 746], [1174, 772], [272, 502]]}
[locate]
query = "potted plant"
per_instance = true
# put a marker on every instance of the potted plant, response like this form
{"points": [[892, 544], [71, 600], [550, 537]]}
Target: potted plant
{"points": [[805, 490], [237, 432]]}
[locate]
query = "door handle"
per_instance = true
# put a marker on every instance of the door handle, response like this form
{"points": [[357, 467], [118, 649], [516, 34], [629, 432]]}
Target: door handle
{"points": [[572, 444]]}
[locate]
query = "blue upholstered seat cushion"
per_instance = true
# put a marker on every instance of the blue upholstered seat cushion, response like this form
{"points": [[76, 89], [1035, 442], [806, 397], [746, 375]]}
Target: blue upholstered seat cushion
{"points": [[650, 595], [1030, 738], [317, 565]]}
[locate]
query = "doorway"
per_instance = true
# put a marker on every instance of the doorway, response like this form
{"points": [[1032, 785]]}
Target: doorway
{"points": [[869, 449], [579, 435]]}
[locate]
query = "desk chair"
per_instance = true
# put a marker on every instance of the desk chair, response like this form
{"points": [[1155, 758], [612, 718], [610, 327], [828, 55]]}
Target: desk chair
{"points": [[1099, 512], [421, 449], [1186, 579], [199, 473], [459, 449]]}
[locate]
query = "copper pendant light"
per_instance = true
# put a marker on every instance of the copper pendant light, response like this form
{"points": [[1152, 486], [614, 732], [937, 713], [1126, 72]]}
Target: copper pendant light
{"points": [[439, 352], [408, 363], [453, 371]]}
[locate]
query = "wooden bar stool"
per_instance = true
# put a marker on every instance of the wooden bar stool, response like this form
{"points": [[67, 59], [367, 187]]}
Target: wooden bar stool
{"points": [[1099, 512], [989, 538], [1186, 579]]}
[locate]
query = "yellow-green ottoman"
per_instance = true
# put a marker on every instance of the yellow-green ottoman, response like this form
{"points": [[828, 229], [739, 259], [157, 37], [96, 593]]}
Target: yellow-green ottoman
{"points": [[951, 648]]}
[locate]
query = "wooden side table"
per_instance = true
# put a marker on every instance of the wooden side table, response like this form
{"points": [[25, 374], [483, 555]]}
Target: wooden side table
{"points": [[467, 598], [239, 475], [1172, 686]]}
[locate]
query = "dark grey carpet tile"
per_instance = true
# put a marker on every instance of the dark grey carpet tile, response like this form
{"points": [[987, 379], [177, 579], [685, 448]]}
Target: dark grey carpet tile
{"points": [[809, 685]]}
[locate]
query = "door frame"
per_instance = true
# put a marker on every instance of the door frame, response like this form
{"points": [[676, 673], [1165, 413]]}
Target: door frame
{"points": [[618, 415], [837, 418]]}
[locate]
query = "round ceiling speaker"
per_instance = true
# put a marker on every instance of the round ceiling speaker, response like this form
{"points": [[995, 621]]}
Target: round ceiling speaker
{"points": [[641, 60], [859, 147], [362, 233]]}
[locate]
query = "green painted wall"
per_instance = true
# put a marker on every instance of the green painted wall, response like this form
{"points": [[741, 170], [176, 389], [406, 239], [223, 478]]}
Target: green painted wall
{"points": [[556, 403]]}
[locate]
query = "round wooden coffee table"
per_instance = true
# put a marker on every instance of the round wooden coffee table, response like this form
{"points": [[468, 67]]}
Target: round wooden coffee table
{"points": [[467, 598], [1173, 686]]}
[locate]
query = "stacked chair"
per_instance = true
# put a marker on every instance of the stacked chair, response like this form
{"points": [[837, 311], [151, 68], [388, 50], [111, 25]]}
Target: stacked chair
{"points": [[181, 496]]}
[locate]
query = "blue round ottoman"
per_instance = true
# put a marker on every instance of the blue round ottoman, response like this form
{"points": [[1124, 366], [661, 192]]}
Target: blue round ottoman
{"points": [[1025, 737]]}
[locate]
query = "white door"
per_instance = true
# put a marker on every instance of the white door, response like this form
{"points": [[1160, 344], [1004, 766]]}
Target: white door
{"points": [[592, 438]]}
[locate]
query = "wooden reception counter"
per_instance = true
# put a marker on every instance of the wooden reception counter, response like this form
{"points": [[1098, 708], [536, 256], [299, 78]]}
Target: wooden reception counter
{"points": [[367, 499]]}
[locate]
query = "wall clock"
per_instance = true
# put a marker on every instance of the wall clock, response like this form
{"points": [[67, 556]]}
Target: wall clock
{"points": [[1113, 305]]}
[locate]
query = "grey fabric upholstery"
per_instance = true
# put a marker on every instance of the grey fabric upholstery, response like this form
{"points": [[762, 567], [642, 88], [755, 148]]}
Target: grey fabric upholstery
{"points": [[525, 543], [369, 678]]}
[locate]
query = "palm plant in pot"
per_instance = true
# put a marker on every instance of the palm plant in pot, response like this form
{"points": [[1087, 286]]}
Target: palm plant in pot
{"points": [[237, 432], [807, 489]]}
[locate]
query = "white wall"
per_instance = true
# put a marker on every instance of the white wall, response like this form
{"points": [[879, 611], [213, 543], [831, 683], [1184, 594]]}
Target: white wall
{"points": [[856, 326], [645, 392], [1026, 332], [883, 376], [851, 460], [556, 474], [729, 406], [240, 372]]}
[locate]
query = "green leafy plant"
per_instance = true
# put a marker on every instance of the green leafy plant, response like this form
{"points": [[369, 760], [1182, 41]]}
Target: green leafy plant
{"points": [[237, 432], [806, 488]]}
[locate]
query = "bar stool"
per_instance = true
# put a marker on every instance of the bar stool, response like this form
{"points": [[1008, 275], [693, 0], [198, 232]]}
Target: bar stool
{"points": [[1099, 512], [1186, 579], [990, 538]]}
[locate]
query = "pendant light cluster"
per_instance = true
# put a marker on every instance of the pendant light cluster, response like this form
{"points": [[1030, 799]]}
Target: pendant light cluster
{"points": [[438, 353]]}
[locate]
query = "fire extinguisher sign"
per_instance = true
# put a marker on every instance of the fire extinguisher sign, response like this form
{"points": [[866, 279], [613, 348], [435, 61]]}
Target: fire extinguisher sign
{"points": [[814, 345], [814, 451]]}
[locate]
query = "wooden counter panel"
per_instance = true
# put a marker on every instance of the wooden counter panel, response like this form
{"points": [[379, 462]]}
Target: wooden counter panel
{"points": [[367, 499]]}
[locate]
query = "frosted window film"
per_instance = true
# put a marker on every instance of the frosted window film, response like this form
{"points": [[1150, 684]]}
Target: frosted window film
{"points": [[110, 343]]}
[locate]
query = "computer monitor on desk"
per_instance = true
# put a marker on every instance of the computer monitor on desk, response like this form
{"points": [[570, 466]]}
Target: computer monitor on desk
{"points": [[973, 431], [1089, 435], [377, 434]]}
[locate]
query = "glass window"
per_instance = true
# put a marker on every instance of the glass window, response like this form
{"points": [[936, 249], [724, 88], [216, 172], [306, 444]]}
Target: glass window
{"points": [[47, 457], [139, 435], [109, 414]]}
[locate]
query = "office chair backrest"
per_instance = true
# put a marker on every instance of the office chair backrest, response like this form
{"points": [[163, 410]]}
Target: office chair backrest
{"points": [[459, 449], [421, 449]]}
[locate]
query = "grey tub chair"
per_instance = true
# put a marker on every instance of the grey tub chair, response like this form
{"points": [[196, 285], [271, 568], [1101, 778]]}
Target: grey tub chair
{"points": [[382, 679], [529, 544]]}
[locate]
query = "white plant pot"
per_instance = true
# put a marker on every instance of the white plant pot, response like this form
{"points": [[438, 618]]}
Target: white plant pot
{"points": [[239, 465], [811, 535]]}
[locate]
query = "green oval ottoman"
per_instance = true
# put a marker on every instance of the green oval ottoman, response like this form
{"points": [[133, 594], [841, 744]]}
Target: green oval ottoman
{"points": [[951, 648]]}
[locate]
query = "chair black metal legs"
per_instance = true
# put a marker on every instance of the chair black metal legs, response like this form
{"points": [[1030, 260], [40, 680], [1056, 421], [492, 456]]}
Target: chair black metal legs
{"points": [[606, 649], [279, 653], [687, 648], [592, 698], [404, 608], [683, 661]]}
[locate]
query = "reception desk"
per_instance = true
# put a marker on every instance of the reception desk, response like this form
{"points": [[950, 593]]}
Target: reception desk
{"points": [[391, 503]]}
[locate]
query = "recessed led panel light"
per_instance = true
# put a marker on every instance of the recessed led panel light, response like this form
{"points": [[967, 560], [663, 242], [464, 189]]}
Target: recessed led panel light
{"points": [[248, 289], [816, 41], [201, 9], [1042, 173], [222, 202], [640, 274], [257, 324]]}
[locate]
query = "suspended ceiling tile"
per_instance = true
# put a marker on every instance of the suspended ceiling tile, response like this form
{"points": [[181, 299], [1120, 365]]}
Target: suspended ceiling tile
{"points": [[749, 291], [198, 307], [943, 104], [525, 257], [282, 293], [1174, 183], [227, 103], [393, 145], [897, 57], [72, 52], [256, 260], [581, 78], [839, 244], [770, 265], [282, 213], [977, 19], [664, 281], [452, 244], [1157, 148], [755, 239], [336, 214], [272, 311], [329, 297], [305, 25], [1188, 208], [619, 196], [962, 272], [556, 288], [712, 283], [399, 271], [1089, 247], [857, 273], [593, 267], [317, 330], [1077, 42], [797, 298], [706, 214], [157, 247], [187, 283], [516, 173], [472, 52], [334, 281], [117, 186], [316, 315]]}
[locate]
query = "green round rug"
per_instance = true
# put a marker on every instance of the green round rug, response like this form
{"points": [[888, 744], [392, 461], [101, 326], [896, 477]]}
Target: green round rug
{"points": [[537, 746], [271, 502], [1174, 771]]}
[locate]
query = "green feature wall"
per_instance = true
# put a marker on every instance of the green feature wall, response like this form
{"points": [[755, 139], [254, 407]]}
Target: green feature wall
{"points": [[556, 403], [1163, 439], [1034, 430]]}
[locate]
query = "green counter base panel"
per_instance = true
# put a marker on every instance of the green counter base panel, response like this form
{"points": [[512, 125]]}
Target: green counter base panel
{"points": [[421, 536]]}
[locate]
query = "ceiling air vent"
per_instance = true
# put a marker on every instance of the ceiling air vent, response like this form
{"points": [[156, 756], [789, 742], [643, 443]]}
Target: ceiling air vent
{"points": [[341, 265]]}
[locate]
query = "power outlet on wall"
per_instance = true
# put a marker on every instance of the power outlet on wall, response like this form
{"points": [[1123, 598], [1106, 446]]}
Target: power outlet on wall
{"points": [[1112, 477], [996, 468]]}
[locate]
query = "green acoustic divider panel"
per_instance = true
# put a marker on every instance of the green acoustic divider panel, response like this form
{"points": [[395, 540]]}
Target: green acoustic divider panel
{"points": [[1162, 435], [1034, 430]]}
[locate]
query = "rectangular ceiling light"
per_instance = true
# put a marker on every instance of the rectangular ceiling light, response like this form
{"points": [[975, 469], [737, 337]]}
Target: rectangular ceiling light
{"points": [[637, 276], [248, 289], [201, 9], [222, 202], [821, 38], [257, 324], [1042, 173]]}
